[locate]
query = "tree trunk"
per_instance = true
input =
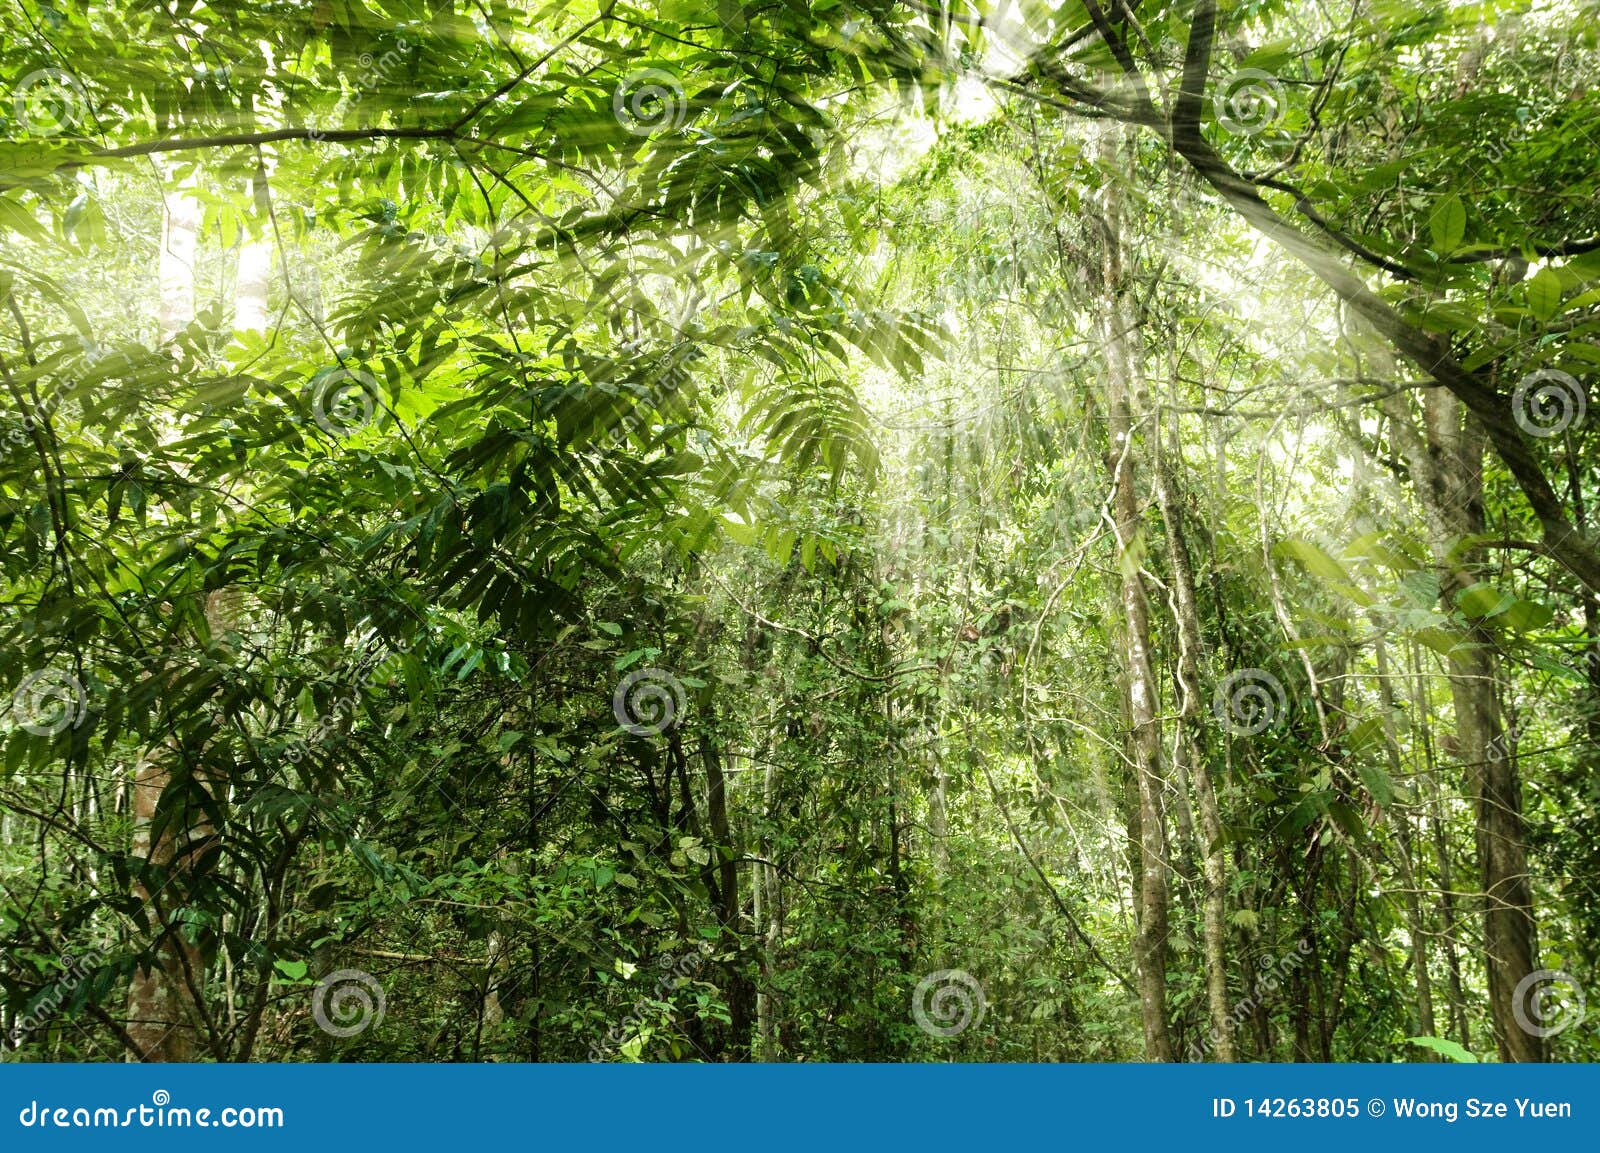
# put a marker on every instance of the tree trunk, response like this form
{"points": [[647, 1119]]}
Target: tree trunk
{"points": [[1446, 464], [160, 1019], [1119, 337], [1441, 856], [740, 992], [1192, 741], [1415, 927]]}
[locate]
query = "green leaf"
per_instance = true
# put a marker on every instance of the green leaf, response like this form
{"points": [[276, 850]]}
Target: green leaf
{"points": [[738, 531], [1483, 600], [1313, 559], [17, 218], [1525, 616], [1445, 1048], [1378, 783], [471, 663], [1544, 294], [294, 970], [1448, 225]]}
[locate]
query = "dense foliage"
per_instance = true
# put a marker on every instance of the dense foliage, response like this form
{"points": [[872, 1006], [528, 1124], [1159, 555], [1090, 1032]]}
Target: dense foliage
{"points": [[799, 530]]}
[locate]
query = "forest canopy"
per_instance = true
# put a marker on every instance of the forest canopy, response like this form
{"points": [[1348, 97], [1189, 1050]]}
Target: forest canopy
{"points": [[799, 530]]}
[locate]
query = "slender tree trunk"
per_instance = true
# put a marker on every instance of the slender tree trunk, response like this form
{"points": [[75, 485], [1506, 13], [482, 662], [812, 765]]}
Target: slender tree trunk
{"points": [[1119, 339], [740, 993], [160, 1019], [772, 930], [758, 894], [1446, 463], [253, 291], [1441, 856], [180, 234], [1416, 929], [1192, 738]]}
